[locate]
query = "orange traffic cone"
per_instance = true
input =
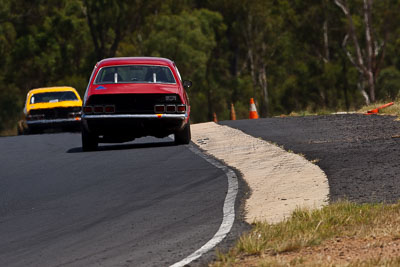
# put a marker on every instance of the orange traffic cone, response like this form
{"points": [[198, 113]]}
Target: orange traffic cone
{"points": [[233, 113], [253, 110], [215, 117], [372, 111], [376, 110]]}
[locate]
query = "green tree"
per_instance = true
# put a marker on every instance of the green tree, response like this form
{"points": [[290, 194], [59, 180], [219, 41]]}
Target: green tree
{"points": [[189, 39], [288, 54], [368, 58], [51, 44], [388, 83], [9, 94], [10, 106], [110, 21]]}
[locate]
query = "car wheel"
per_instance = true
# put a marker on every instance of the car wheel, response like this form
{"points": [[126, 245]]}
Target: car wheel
{"points": [[183, 136], [89, 141], [33, 130]]}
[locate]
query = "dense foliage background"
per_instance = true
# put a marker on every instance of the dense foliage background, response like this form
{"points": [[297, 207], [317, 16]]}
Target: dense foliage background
{"points": [[290, 55]]}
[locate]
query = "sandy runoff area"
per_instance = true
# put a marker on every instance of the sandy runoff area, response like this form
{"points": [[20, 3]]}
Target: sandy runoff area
{"points": [[279, 181]]}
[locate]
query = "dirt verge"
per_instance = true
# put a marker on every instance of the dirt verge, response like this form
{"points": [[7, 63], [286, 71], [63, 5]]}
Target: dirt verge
{"points": [[280, 181]]}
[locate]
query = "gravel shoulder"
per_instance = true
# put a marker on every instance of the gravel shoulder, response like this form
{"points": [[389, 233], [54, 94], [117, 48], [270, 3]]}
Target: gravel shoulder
{"points": [[279, 181]]}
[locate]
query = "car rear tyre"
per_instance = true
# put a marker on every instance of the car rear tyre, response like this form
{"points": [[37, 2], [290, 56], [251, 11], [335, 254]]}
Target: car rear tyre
{"points": [[89, 141], [183, 136], [34, 130]]}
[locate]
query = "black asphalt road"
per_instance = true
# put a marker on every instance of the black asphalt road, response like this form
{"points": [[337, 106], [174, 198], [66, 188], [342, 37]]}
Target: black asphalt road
{"points": [[146, 203], [359, 153]]}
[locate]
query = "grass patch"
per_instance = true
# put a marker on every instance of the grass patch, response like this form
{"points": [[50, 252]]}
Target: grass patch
{"points": [[320, 263], [310, 113], [308, 228], [391, 110], [9, 131]]}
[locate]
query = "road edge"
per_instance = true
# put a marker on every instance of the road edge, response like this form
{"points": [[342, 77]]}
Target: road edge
{"points": [[228, 209]]}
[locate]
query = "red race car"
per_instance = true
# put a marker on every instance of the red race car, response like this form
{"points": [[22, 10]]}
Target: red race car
{"points": [[132, 97]]}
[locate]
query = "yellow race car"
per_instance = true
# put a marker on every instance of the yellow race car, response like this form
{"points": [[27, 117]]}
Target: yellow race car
{"points": [[51, 108]]}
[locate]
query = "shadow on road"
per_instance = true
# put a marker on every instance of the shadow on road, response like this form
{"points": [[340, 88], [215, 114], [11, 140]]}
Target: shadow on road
{"points": [[123, 146]]}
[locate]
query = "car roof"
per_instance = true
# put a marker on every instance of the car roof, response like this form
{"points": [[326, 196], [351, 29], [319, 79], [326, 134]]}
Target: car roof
{"points": [[135, 60], [51, 89]]}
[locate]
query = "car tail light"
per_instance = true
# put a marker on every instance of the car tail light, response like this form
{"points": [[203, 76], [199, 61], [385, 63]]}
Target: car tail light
{"points": [[181, 108], [159, 108], [88, 109], [171, 108], [98, 109], [109, 109]]}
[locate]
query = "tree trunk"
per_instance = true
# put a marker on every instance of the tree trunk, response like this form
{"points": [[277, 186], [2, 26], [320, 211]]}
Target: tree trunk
{"points": [[370, 49], [366, 69], [326, 41], [360, 86], [264, 87], [252, 70]]}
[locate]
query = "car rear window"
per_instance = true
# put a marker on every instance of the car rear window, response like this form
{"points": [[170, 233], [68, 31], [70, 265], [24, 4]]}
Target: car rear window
{"points": [[50, 97], [135, 74]]}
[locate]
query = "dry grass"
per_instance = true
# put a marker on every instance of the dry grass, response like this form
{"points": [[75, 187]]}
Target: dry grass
{"points": [[391, 110], [321, 263], [308, 113], [306, 228], [9, 132]]}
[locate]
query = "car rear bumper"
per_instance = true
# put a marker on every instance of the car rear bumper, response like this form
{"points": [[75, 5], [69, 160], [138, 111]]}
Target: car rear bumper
{"points": [[135, 116], [54, 122], [134, 125], [72, 124]]}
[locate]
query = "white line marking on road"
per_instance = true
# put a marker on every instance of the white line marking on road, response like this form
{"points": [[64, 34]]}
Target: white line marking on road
{"points": [[228, 210]]}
